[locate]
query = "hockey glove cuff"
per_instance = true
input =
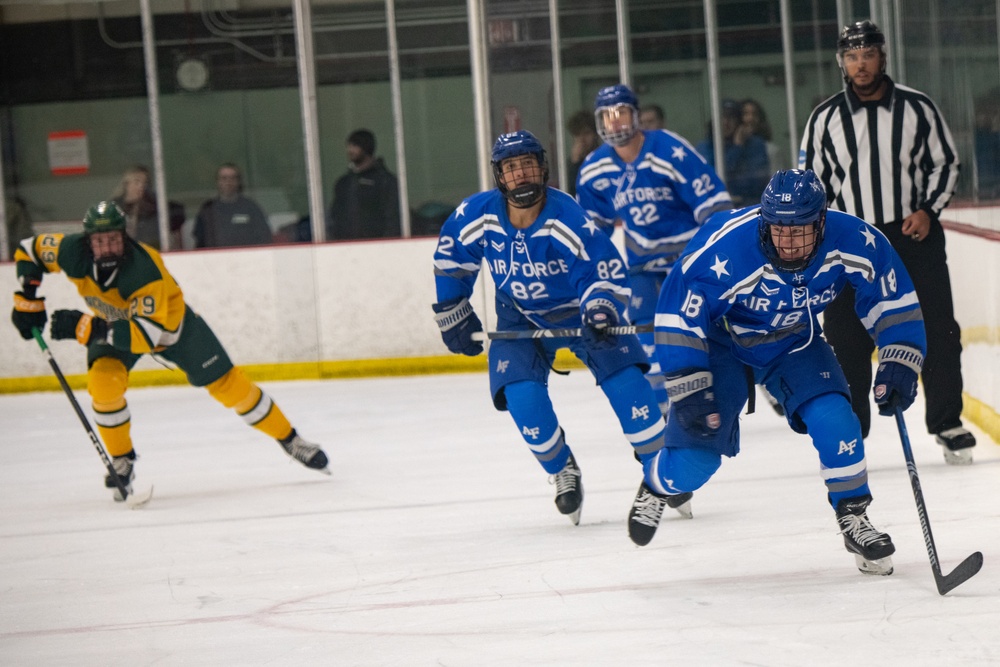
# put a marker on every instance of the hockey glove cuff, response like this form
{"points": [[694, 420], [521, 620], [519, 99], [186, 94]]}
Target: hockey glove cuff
{"points": [[598, 316], [86, 329], [692, 401], [458, 321], [896, 377], [28, 313]]}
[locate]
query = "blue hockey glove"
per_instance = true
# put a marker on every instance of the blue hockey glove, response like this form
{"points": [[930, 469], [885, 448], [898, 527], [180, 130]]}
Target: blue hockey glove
{"points": [[692, 401], [458, 322], [28, 313], [86, 329], [896, 377], [598, 315]]}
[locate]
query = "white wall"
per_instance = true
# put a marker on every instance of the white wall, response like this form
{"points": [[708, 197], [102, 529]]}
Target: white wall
{"points": [[974, 265], [343, 301]]}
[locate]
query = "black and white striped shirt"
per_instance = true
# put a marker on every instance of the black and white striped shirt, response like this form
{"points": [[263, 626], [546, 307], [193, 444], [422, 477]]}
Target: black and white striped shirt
{"points": [[883, 160]]}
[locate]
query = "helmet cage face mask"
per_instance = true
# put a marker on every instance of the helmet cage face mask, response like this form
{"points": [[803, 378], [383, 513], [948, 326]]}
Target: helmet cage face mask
{"points": [[614, 127], [515, 145], [610, 107], [799, 237], [794, 203]]}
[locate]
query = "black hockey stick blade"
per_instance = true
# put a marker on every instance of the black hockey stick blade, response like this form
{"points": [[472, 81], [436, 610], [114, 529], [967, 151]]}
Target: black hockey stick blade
{"points": [[966, 570], [557, 333]]}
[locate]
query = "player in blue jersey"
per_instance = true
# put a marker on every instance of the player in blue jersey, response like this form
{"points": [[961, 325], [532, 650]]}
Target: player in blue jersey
{"points": [[553, 268], [661, 189], [741, 309]]}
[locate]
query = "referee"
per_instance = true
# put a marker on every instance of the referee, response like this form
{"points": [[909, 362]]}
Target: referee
{"points": [[885, 154]]}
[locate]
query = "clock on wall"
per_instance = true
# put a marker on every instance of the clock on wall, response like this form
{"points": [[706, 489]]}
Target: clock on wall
{"points": [[192, 74]]}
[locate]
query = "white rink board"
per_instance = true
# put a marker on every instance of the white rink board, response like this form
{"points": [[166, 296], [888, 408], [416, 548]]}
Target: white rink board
{"points": [[371, 300]]}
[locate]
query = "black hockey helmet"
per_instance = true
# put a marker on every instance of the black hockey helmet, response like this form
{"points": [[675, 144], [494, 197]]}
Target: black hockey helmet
{"points": [[860, 35]]}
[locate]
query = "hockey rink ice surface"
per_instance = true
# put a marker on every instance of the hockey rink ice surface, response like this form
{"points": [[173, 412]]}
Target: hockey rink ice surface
{"points": [[436, 542]]}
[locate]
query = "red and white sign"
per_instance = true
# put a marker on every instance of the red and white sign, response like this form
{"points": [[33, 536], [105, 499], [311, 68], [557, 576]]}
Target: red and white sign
{"points": [[68, 153]]}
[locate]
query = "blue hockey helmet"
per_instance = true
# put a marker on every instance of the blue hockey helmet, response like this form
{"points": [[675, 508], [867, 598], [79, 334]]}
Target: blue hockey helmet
{"points": [[516, 144], [610, 107], [794, 202]]}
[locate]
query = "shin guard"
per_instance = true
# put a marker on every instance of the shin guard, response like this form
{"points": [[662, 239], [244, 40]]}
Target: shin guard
{"points": [[531, 408], [107, 381], [637, 411], [836, 435], [251, 403]]}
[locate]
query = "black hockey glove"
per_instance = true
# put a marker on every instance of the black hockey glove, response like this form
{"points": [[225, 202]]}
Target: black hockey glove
{"points": [[692, 401], [896, 377], [458, 322], [598, 316], [86, 329], [28, 313]]}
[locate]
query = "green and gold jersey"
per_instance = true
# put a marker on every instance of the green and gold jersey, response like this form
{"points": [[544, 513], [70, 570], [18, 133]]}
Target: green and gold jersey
{"points": [[141, 301]]}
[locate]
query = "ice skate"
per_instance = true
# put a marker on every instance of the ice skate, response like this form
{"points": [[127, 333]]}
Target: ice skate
{"points": [[306, 453], [647, 510], [124, 466], [957, 443], [872, 549], [569, 490]]}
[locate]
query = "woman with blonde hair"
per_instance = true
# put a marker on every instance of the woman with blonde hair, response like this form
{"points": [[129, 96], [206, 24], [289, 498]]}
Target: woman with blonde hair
{"points": [[135, 197]]}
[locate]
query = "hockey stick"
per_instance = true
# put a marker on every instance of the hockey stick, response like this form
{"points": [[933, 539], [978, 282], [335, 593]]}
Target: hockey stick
{"points": [[556, 333], [968, 567], [131, 499]]}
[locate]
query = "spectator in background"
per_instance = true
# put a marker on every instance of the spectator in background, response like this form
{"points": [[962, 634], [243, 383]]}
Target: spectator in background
{"points": [[651, 117], [755, 122], [18, 224], [747, 167], [583, 128], [230, 219], [135, 197], [366, 198], [987, 144]]}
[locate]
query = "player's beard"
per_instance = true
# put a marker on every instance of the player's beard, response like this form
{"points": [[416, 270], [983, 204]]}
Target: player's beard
{"points": [[870, 88]]}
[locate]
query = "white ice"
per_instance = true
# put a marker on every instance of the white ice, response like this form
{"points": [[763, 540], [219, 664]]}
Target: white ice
{"points": [[436, 542]]}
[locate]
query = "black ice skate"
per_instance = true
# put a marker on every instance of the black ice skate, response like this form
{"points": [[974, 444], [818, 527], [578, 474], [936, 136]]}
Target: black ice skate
{"points": [[958, 444], [569, 490], [871, 549], [647, 509], [124, 466], [306, 453]]}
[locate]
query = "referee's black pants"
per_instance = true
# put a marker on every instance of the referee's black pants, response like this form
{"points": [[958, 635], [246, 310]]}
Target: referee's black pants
{"points": [[927, 264]]}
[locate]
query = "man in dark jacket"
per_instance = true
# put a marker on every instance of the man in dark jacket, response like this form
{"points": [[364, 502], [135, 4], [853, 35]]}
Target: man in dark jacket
{"points": [[366, 198], [230, 219]]}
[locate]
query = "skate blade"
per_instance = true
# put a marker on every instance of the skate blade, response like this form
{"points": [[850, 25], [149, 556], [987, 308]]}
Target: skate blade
{"points": [[575, 516], [878, 566], [958, 457], [685, 510]]}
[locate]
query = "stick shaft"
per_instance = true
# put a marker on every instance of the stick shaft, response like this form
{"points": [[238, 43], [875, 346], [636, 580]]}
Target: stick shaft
{"points": [[918, 495], [79, 413]]}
